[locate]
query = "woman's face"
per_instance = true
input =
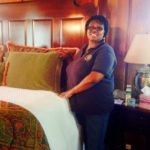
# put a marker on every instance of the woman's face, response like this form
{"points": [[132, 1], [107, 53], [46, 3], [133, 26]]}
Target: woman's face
{"points": [[95, 31]]}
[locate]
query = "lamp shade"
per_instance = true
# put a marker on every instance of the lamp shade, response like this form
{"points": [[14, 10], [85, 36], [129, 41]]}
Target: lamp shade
{"points": [[139, 51]]}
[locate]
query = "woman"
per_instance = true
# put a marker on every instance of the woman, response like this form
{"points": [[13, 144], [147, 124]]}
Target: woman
{"points": [[90, 83]]}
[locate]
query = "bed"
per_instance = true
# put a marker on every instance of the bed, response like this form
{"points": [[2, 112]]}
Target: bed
{"points": [[32, 115]]}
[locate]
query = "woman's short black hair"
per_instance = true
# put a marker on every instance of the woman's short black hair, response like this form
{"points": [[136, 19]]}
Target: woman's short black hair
{"points": [[101, 19]]}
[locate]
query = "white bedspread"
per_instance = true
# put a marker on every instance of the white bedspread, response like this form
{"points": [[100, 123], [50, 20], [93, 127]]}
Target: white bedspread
{"points": [[52, 112]]}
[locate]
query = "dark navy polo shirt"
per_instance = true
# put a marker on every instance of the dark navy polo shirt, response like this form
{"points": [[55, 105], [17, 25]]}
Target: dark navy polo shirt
{"points": [[99, 98]]}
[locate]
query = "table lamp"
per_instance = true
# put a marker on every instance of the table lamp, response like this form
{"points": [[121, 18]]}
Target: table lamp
{"points": [[139, 53]]}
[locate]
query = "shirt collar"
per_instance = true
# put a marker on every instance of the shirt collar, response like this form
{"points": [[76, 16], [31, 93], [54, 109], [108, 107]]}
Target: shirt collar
{"points": [[91, 49]]}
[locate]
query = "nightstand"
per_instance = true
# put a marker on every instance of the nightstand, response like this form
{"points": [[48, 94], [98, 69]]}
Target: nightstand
{"points": [[129, 125]]}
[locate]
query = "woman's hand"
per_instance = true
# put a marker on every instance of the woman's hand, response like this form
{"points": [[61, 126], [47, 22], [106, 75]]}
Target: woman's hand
{"points": [[67, 52], [88, 82], [66, 94], [63, 54]]}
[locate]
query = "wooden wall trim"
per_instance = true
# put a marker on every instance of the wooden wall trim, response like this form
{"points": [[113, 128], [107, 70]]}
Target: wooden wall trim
{"points": [[52, 32], [127, 42], [17, 29], [42, 29], [1, 32], [70, 28]]}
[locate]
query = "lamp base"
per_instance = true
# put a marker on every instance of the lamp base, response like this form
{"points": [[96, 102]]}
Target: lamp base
{"points": [[141, 79]]}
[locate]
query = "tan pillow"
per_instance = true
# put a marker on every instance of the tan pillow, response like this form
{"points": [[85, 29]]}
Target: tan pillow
{"points": [[20, 48], [39, 71]]}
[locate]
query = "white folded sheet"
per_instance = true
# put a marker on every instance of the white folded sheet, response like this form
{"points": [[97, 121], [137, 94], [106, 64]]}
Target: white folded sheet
{"points": [[52, 112]]}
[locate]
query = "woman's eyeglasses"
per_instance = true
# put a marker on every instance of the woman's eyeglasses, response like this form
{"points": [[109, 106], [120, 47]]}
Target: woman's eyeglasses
{"points": [[95, 28]]}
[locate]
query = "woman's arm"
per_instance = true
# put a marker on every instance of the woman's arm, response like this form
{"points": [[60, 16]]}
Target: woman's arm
{"points": [[68, 52], [89, 81]]}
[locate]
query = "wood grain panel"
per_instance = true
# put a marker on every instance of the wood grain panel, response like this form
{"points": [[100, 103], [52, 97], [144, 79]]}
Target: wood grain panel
{"points": [[117, 13], [72, 31], [9, 1], [29, 31], [17, 31], [42, 33], [13, 1], [27, 0], [1, 35]]}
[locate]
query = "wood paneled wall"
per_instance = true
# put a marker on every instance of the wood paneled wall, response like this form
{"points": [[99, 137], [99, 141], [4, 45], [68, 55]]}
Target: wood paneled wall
{"points": [[139, 23], [127, 18], [1, 31], [56, 23], [117, 12], [46, 32], [42, 23]]}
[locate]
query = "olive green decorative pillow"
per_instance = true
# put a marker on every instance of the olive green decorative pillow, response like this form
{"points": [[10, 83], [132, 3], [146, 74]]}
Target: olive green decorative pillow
{"points": [[31, 70]]}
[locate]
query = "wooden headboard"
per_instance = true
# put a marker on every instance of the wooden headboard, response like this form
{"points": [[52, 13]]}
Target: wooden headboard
{"points": [[43, 23]]}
